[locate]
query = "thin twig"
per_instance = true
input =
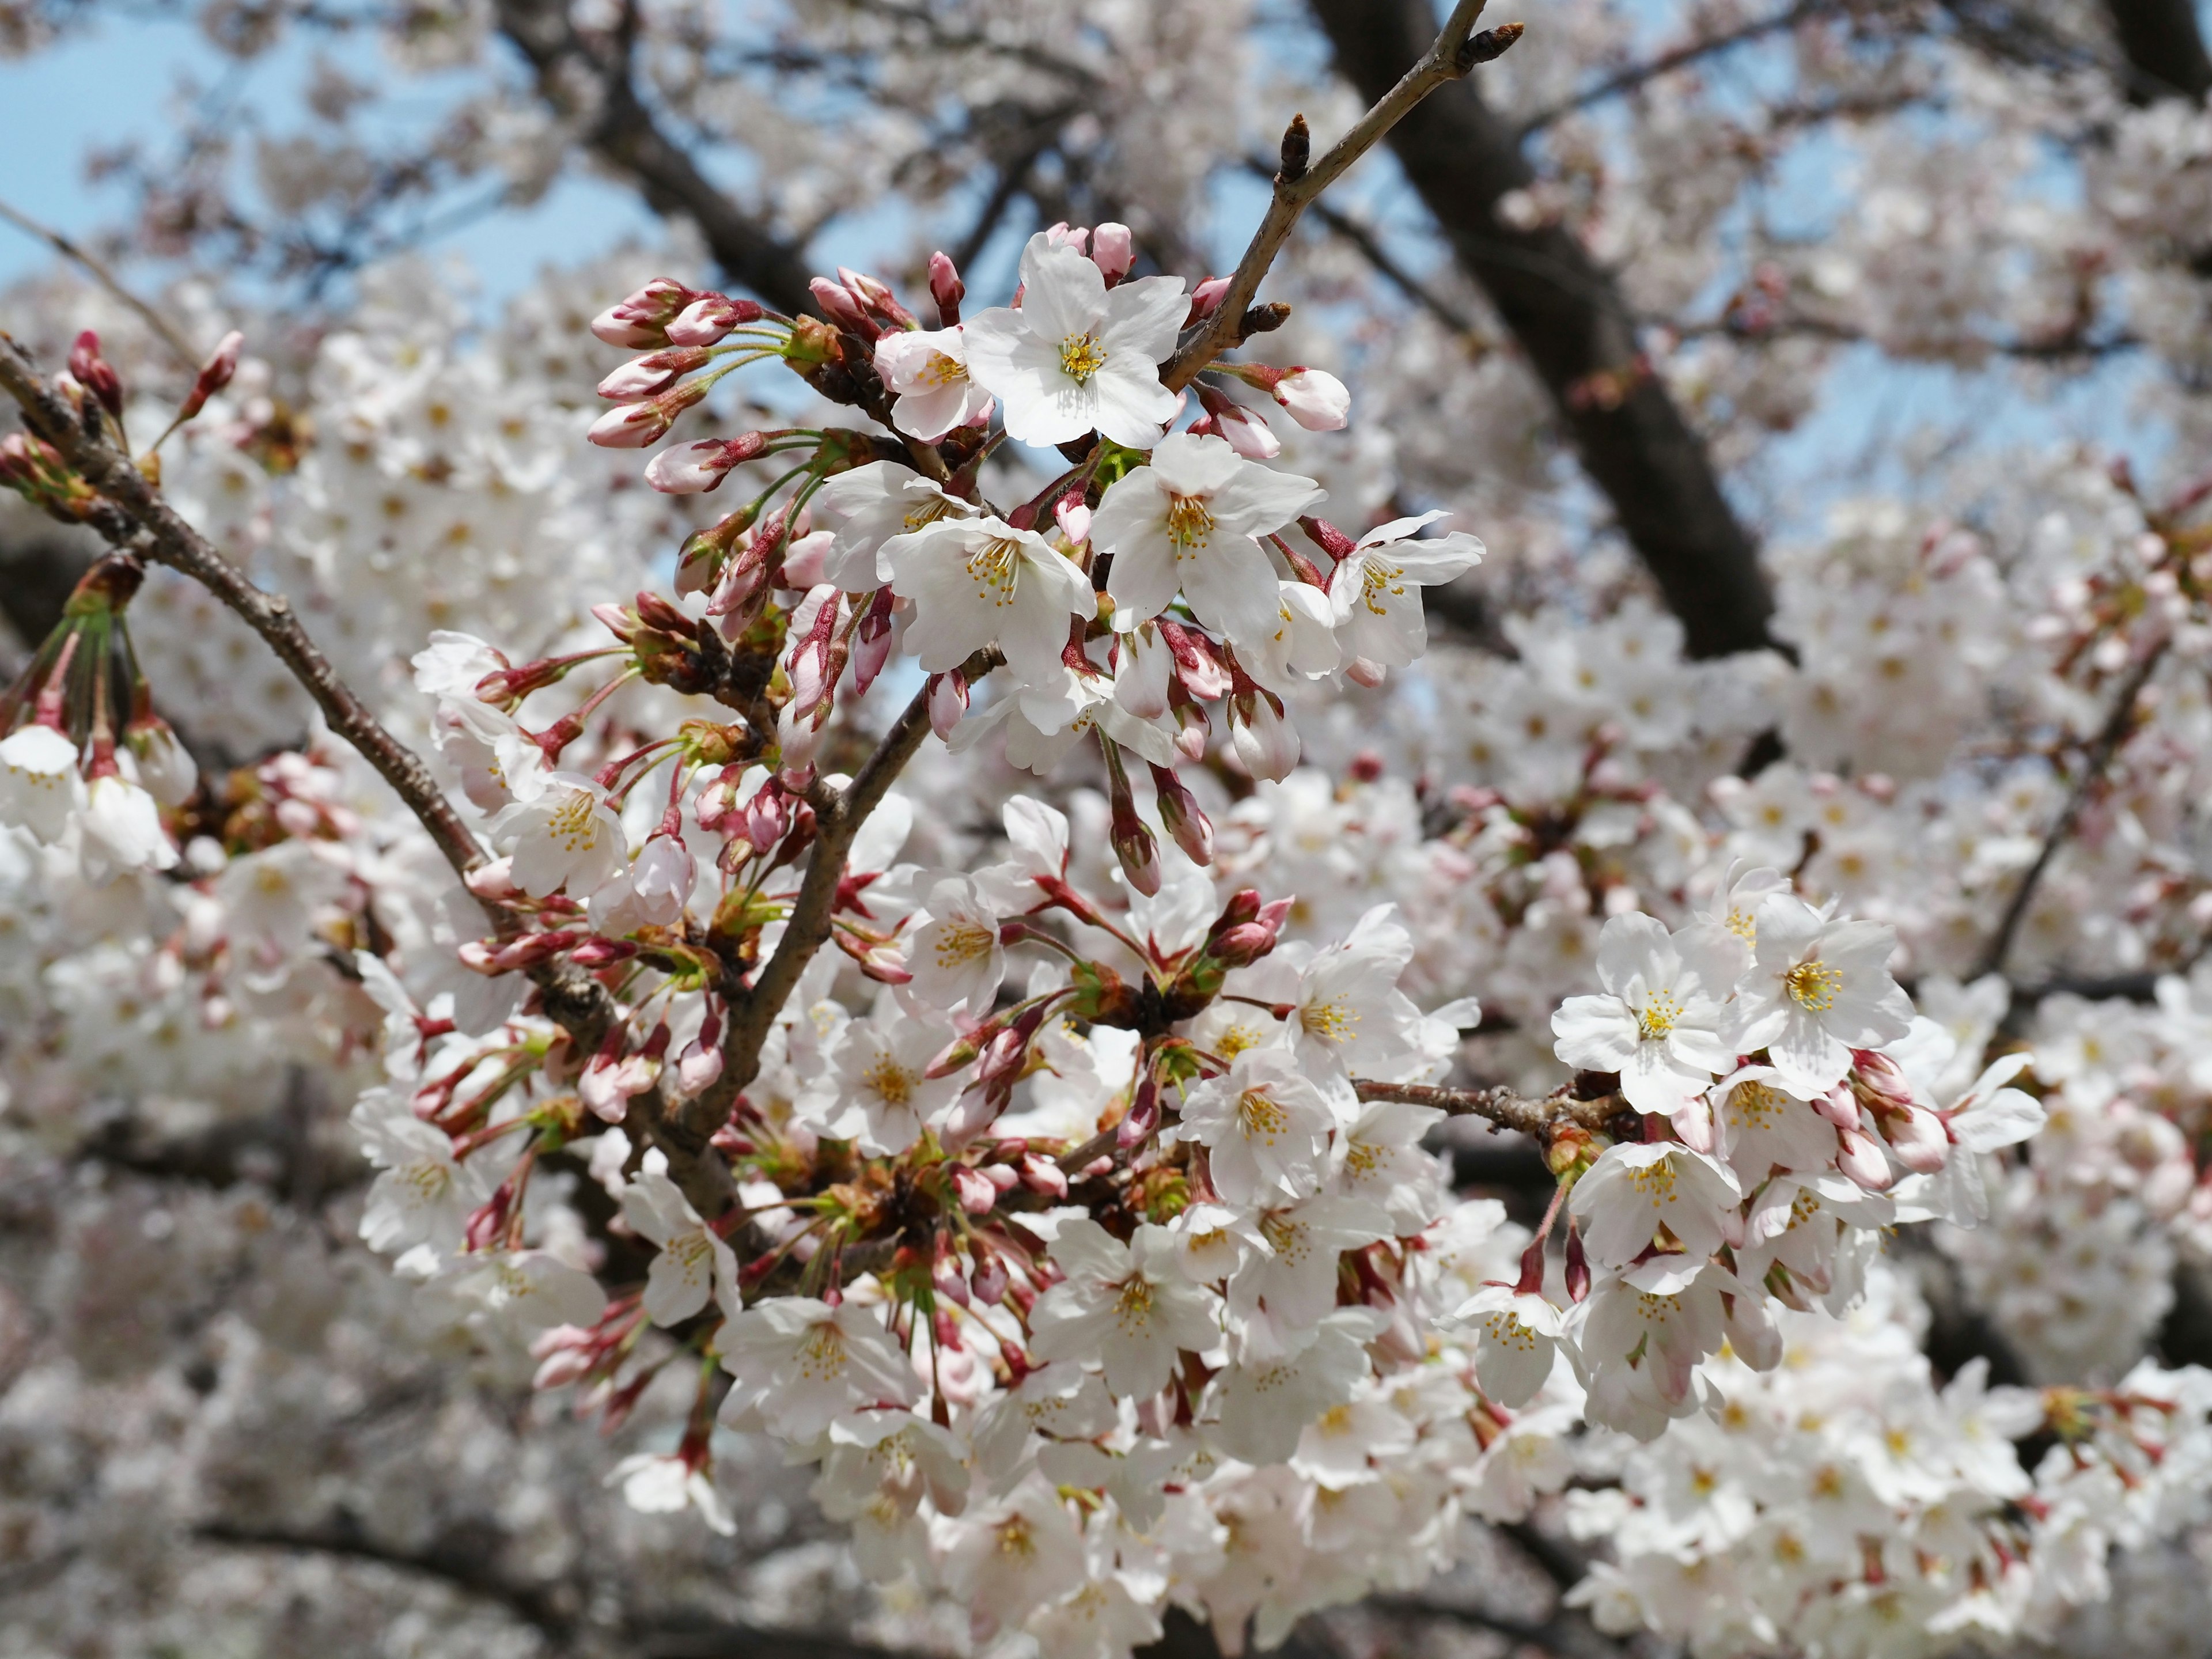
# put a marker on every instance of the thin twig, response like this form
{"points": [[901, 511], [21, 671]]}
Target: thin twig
{"points": [[2102, 748], [1501, 1106], [1448, 59], [179, 347]]}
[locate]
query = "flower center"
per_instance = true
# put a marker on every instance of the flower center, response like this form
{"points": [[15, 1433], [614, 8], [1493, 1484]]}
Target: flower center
{"points": [[1260, 1117], [1754, 1105], [1331, 1022], [1743, 924], [1135, 1306], [822, 1356], [1081, 357], [892, 1083], [573, 823], [994, 566], [1814, 985], [938, 369], [1658, 1014], [928, 513], [1376, 579], [963, 941], [1189, 525], [1017, 1536]]}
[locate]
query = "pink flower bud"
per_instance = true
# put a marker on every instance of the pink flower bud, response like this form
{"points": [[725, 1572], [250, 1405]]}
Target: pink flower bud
{"points": [[947, 289], [709, 317], [1143, 1116], [1918, 1138], [1839, 1106], [990, 1282], [214, 375], [1578, 1272], [494, 881], [606, 1085], [641, 377], [1182, 817], [977, 1195], [1327, 537], [873, 648], [698, 1067], [1860, 1157], [1365, 670], [1317, 400], [633, 426], [843, 310], [948, 701], [641, 322], [694, 469], [1248, 435], [1113, 251], [95, 374], [597, 953], [1042, 1176], [1263, 737], [1196, 662], [1205, 300], [1880, 1081]]}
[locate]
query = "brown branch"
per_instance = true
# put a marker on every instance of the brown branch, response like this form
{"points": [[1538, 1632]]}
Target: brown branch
{"points": [[1501, 1106], [1463, 159], [1450, 58], [156, 531], [619, 128], [164, 330], [838, 818], [2106, 744], [2164, 47]]}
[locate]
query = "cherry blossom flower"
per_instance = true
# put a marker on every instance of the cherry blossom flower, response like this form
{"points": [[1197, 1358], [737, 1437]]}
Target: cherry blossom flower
{"points": [[121, 831], [1662, 1023], [799, 1363], [694, 1265], [1077, 356], [1818, 987], [1264, 1403], [880, 508], [952, 948], [1186, 520], [980, 582], [1630, 1192], [875, 1091], [1519, 1334], [422, 1195], [929, 370], [566, 838], [40, 789], [1377, 588], [1126, 1306], [1265, 1126]]}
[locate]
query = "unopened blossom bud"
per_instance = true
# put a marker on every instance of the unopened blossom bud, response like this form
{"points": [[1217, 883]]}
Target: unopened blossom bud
{"points": [[990, 1279], [1247, 432], [1860, 1157], [1316, 399], [641, 377], [494, 881], [1839, 1106], [708, 317], [959, 1054], [1182, 817], [947, 289], [843, 310], [1878, 1081], [1205, 300], [1365, 670], [1571, 1150], [1578, 1272], [565, 1355], [166, 767], [488, 1222], [1193, 729], [872, 647], [639, 323], [1327, 537], [597, 953], [699, 1064], [1042, 1174], [214, 375], [607, 1084], [1262, 736], [976, 1193], [1918, 1138], [694, 469], [95, 374], [1113, 250], [876, 298], [1197, 663], [1246, 943], [633, 426], [946, 1276], [1143, 1116], [948, 701]]}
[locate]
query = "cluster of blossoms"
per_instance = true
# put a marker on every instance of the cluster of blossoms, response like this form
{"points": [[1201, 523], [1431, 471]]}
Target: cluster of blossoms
{"points": [[1079, 1219]]}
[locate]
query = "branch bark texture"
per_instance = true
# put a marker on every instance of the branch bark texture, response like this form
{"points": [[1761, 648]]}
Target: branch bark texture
{"points": [[1462, 157]]}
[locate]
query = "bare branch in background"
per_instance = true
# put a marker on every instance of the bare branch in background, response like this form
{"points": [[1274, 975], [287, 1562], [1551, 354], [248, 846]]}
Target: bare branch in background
{"points": [[1462, 158], [1681, 57], [164, 330]]}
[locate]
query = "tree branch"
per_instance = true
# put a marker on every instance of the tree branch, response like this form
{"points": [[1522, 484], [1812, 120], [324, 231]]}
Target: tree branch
{"points": [[2164, 46], [1461, 158], [1501, 1106], [2102, 748], [1450, 57], [156, 531], [164, 330], [622, 131]]}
